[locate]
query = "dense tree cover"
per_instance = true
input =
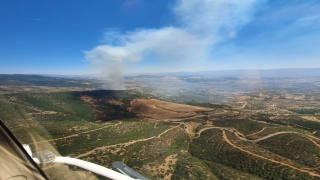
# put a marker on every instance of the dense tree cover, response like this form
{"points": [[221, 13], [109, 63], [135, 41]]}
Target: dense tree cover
{"points": [[245, 126]]}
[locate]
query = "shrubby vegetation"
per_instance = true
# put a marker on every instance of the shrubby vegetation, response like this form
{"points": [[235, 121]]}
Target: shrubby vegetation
{"points": [[97, 126], [211, 148], [37, 80], [292, 120], [207, 105], [304, 111], [295, 147], [244, 126], [110, 135]]}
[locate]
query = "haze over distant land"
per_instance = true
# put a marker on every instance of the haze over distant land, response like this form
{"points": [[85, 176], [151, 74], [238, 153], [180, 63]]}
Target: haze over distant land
{"points": [[286, 72]]}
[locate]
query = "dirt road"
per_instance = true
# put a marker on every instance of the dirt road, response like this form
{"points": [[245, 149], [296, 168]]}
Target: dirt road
{"points": [[274, 134], [74, 135], [256, 132], [126, 143], [268, 159]]}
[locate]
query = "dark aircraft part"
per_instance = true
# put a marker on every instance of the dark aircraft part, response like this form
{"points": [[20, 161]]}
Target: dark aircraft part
{"points": [[127, 170]]}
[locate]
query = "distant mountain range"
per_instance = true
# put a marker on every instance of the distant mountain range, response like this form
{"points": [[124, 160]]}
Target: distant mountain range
{"points": [[285, 72], [294, 72]]}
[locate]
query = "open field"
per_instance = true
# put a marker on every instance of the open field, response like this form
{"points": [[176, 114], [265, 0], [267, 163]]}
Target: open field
{"points": [[162, 110]]}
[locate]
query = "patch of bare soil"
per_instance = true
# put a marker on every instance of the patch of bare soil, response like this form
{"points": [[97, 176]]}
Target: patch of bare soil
{"points": [[311, 118], [87, 99], [114, 102], [163, 110]]}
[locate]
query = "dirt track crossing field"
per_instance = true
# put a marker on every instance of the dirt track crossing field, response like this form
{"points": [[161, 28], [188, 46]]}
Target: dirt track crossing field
{"points": [[74, 135], [127, 143]]}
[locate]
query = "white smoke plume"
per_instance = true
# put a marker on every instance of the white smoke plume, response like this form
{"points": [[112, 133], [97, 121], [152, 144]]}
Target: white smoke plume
{"points": [[200, 24]]}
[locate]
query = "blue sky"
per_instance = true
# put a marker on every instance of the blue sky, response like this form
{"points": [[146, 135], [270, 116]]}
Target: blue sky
{"points": [[114, 37]]}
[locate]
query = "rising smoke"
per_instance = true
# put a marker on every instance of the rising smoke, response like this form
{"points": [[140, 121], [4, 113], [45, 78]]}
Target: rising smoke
{"points": [[200, 24]]}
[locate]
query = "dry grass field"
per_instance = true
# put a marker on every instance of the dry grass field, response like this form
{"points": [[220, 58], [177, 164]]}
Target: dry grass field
{"points": [[157, 109]]}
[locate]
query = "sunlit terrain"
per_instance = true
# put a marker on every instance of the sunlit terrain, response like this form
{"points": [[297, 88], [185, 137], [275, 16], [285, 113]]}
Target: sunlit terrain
{"points": [[175, 89], [171, 127]]}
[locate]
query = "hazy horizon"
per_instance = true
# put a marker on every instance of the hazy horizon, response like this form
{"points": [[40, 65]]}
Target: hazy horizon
{"points": [[281, 72], [114, 38]]}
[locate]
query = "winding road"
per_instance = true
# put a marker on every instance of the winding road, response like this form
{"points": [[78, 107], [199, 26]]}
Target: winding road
{"points": [[268, 159]]}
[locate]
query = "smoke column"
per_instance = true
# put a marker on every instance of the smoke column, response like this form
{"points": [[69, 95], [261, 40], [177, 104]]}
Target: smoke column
{"points": [[200, 24]]}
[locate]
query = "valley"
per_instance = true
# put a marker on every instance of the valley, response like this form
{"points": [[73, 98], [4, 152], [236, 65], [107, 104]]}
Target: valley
{"points": [[222, 129]]}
